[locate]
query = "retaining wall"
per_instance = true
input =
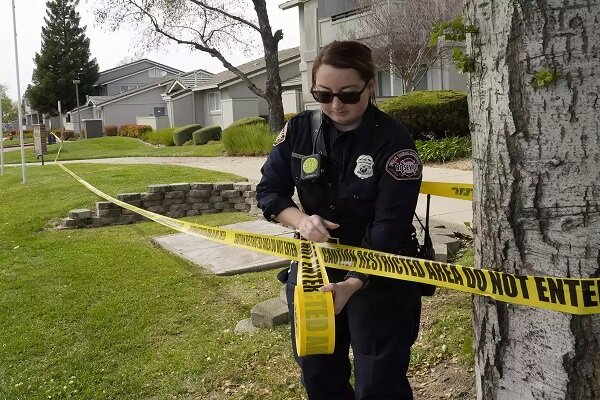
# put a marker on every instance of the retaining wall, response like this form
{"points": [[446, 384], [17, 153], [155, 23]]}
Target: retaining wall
{"points": [[174, 200]]}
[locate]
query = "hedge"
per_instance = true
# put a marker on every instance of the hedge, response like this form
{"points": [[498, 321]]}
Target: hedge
{"points": [[248, 140], [431, 114], [248, 121], [204, 135], [111, 130], [183, 134], [134, 131]]}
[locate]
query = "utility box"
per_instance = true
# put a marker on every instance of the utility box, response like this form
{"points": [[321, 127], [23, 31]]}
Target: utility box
{"points": [[93, 128], [40, 139]]}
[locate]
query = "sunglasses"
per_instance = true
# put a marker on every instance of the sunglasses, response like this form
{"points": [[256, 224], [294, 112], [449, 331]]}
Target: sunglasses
{"points": [[325, 97]]}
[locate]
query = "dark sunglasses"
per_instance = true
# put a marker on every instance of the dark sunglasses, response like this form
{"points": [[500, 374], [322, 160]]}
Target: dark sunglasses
{"points": [[323, 96]]}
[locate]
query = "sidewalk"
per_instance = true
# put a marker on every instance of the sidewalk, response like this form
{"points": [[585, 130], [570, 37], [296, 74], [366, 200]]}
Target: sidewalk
{"points": [[452, 213]]}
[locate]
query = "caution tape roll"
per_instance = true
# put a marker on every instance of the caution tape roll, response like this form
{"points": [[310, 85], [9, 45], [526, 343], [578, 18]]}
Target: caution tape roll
{"points": [[313, 310]]}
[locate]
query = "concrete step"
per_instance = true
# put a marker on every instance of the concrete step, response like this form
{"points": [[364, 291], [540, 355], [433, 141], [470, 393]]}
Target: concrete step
{"points": [[269, 313]]}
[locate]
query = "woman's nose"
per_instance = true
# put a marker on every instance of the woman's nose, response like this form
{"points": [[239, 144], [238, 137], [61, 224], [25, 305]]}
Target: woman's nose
{"points": [[336, 104]]}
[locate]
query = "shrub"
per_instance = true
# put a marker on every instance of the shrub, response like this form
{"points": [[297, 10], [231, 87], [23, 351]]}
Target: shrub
{"points": [[248, 140], [443, 113], [111, 130], [288, 116], [248, 121], [444, 150], [204, 135], [66, 135], [183, 134], [163, 137], [134, 131]]}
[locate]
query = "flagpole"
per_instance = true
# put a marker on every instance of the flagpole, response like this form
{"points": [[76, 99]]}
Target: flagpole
{"points": [[20, 112]]}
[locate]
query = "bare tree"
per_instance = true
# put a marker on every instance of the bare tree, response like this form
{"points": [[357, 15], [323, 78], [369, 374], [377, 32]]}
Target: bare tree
{"points": [[399, 33], [533, 102], [215, 27]]}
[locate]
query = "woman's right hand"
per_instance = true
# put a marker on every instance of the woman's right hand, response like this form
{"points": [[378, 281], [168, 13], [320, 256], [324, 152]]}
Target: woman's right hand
{"points": [[315, 228]]}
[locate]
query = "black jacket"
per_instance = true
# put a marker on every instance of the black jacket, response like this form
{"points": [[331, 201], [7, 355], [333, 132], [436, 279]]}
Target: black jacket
{"points": [[370, 184]]}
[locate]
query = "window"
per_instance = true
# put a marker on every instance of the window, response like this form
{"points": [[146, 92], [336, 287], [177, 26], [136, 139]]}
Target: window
{"points": [[124, 88], [156, 73], [214, 101], [159, 111]]}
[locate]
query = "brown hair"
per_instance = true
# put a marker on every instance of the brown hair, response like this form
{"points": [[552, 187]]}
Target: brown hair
{"points": [[346, 54]]}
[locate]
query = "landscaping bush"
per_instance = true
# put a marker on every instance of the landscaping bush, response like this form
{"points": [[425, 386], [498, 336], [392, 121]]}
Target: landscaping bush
{"points": [[183, 134], [248, 140], [440, 113], [111, 130], [204, 135], [444, 150], [288, 116], [162, 137], [134, 131], [66, 135], [248, 121]]}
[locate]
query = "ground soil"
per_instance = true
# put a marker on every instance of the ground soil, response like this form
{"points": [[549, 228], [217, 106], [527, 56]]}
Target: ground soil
{"points": [[448, 379]]}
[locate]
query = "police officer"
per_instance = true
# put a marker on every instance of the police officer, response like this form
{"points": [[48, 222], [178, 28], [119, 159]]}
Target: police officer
{"points": [[357, 175]]}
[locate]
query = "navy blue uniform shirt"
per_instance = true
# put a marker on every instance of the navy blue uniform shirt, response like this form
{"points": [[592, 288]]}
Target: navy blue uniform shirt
{"points": [[370, 185]]}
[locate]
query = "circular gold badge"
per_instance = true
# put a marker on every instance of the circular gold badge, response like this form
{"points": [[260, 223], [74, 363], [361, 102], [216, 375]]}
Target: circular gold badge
{"points": [[310, 165]]}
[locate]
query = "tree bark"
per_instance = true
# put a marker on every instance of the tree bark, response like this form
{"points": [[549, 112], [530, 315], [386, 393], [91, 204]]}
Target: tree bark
{"points": [[536, 154], [273, 85]]}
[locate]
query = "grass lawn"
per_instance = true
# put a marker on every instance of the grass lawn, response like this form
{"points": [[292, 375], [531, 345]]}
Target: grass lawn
{"points": [[103, 313], [17, 141], [116, 146]]}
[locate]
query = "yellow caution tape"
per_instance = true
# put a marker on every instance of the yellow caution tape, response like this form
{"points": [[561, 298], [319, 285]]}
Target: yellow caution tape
{"points": [[462, 191], [313, 310]]}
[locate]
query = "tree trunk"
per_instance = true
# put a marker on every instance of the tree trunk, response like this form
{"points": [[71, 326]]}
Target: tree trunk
{"points": [[270, 45], [536, 154]]}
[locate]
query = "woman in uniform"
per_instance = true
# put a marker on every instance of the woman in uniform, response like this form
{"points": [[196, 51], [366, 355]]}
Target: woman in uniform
{"points": [[363, 193]]}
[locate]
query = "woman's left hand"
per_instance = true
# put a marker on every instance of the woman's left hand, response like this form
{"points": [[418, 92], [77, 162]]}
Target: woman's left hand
{"points": [[342, 292]]}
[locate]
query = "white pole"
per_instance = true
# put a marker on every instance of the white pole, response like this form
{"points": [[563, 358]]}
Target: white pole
{"points": [[1, 139], [20, 112]]}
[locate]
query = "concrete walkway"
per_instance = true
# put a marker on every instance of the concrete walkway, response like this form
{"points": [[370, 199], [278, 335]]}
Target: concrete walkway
{"points": [[452, 213]]}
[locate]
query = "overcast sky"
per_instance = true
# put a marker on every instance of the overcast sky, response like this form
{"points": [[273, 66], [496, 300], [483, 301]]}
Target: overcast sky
{"points": [[109, 47]]}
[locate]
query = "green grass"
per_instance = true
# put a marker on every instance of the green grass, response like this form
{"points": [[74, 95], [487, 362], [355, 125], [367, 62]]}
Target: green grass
{"points": [[115, 146], [444, 150], [17, 141], [103, 313], [447, 331], [162, 137]]}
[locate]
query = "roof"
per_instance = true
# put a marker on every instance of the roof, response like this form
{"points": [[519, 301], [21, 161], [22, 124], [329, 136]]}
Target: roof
{"points": [[291, 4], [143, 60], [104, 100], [249, 68]]}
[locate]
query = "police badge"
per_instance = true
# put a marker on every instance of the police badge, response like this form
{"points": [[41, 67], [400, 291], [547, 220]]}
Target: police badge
{"points": [[364, 167]]}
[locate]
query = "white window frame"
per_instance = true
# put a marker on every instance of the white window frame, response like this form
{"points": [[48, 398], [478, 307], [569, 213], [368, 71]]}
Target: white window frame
{"points": [[214, 102]]}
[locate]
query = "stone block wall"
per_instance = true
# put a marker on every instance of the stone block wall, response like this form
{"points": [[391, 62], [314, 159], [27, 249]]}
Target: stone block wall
{"points": [[174, 200]]}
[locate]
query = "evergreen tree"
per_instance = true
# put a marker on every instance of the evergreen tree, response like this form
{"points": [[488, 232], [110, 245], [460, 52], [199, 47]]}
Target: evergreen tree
{"points": [[64, 56]]}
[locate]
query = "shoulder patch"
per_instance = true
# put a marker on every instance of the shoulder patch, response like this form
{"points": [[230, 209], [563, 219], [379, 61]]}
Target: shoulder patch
{"points": [[281, 137], [404, 165]]}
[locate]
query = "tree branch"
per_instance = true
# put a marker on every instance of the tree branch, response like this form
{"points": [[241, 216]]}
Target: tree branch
{"points": [[225, 13], [207, 49]]}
